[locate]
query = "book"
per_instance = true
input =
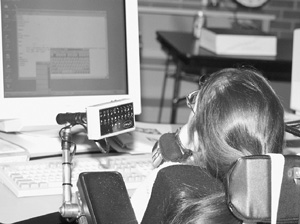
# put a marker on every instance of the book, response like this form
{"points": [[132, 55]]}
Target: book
{"points": [[10, 125], [238, 42]]}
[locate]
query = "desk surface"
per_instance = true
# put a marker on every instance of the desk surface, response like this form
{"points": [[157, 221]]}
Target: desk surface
{"points": [[181, 45], [15, 209]]}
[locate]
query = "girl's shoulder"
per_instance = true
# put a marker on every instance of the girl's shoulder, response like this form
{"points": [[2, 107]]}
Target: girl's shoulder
{"points": [[177, 175]]}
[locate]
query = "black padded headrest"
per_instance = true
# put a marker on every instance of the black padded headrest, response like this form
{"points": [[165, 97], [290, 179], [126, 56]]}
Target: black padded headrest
{"points": [[248, 187]]}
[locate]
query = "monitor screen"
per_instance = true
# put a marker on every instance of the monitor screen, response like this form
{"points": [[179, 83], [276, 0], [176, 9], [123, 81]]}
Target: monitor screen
{"points": [[295, 82], [61, 56]]}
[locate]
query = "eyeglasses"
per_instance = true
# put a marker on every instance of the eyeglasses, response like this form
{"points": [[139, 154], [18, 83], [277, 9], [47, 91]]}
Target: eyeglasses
{"points": [[191, 99]]}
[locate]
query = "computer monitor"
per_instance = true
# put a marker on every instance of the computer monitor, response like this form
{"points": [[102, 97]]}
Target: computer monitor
{"points": [[295, 82], [61, 56]]}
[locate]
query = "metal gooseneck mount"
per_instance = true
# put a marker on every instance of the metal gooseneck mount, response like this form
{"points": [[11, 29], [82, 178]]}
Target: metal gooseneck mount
{"points": [[68, 209], [120, 120]]}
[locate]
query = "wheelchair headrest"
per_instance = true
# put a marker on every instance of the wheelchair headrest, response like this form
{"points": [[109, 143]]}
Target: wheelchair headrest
{"points": [[250, 182]]}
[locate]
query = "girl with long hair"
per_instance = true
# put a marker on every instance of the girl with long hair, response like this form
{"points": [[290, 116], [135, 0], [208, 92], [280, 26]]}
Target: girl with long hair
{"points": [[234, 113]]}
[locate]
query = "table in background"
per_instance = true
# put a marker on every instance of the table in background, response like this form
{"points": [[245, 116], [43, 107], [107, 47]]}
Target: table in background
{"points": [[191, 60]]}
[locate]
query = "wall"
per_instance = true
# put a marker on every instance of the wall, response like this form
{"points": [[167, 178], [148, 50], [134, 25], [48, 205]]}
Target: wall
{"points": [[152, 80], [287, 18], [287, 12]]}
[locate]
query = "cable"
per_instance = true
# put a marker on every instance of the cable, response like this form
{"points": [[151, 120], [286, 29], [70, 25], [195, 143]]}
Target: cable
{"points": [[292, 130]]}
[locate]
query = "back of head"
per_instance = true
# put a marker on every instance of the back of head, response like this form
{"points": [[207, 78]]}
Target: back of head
{"points": [[237, 114]]}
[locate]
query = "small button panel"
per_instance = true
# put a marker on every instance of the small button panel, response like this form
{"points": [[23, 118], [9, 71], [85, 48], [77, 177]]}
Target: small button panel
{"points": [[116, 118]]}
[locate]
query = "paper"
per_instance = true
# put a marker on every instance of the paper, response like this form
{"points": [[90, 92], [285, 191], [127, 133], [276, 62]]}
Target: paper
{"points": [[142, 139], [10, 152], [7, 147], [288, 116], [48, 143]]}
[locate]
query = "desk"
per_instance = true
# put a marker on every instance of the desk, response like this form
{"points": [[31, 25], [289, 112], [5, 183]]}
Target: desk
{"points": [[180, 47], [15, 209]]}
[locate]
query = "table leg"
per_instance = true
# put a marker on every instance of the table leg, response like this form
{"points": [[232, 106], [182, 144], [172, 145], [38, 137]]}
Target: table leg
{"points": [[176, 92], [167, 74]]}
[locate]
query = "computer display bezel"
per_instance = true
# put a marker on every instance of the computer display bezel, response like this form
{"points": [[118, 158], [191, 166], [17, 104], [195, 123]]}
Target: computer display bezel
{"points": [[41, 111], [295, 82]]}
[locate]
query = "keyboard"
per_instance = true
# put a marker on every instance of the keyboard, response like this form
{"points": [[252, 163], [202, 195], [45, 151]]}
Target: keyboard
{"points": [[69, 61], [44, 177]]}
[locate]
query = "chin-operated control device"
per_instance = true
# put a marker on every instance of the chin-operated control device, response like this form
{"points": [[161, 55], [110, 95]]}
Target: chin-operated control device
{"points": [[100, 121], [103, 120], [106, 120]]}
